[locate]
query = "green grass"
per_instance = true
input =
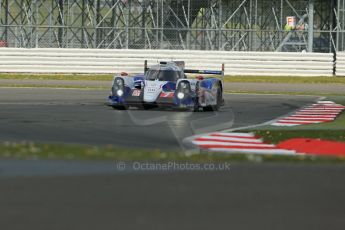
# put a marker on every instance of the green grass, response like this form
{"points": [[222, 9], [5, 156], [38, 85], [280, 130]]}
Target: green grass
{"points": [[283, 93], [29, 150], [291, 80], [72, 77], [54, 86], [244, 79]]}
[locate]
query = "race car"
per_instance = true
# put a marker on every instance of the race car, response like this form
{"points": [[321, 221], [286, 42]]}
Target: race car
{"points": [[166, 85]]}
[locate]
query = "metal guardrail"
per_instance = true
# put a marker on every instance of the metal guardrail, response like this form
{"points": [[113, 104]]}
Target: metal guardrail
{"points": [[100, 61]]}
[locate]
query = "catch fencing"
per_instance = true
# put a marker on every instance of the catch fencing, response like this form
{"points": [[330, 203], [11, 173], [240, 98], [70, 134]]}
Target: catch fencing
{"points": [[105, 61]]}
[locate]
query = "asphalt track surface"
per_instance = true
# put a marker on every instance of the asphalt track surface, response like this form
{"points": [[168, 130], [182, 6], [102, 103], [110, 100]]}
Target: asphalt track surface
{"points": [[37, 195], [80, 116], [249, 196]]}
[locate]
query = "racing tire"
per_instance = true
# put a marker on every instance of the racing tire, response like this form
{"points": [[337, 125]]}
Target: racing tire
{"points": [[120, 107], [218, 104], [196, 109], [147, 107], [197, 106]]}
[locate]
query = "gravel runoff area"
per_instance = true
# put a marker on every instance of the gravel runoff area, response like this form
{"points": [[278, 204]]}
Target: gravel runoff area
{"points": [[234, 87]]}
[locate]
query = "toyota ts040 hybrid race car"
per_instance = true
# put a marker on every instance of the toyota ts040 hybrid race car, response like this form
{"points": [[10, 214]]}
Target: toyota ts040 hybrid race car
{"points": [[166, 85]]}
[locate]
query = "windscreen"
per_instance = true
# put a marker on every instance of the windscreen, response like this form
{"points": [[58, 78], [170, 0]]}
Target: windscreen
{"points": [[163, 75]]}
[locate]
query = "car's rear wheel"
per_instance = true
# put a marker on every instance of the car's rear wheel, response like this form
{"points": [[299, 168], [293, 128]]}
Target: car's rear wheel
{"points": [[197, 92], [219, 99]]}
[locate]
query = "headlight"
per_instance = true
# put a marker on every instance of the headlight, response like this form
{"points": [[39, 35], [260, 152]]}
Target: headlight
{"points": [[180, 95], [119, 93], [183, 90]]}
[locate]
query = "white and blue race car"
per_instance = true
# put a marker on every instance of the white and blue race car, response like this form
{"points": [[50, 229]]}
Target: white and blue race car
{"points": [[166, 85]]}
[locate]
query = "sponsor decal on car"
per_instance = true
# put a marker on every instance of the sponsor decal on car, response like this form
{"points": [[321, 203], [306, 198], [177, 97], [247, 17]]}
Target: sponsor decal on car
{"points": [[167, 95], [152, 89], [136, 93]]}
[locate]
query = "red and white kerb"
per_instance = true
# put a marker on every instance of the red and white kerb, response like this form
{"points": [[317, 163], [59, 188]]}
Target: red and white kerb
{"points": [[322, 111]]}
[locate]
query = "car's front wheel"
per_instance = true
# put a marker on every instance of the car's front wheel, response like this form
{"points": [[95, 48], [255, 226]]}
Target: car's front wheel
{"points": [[120, 107]]}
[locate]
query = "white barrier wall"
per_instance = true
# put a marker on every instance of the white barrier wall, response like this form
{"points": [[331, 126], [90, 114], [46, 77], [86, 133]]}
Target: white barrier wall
{"points": [[112, 61], [340, 64]]}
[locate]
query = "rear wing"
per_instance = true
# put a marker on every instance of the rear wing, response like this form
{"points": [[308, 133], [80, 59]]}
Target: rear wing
{"points": [[192, 71], [211, 72]]}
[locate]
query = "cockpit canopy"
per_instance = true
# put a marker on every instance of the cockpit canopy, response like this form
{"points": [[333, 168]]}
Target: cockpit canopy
{"points": [[163, 75]]}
